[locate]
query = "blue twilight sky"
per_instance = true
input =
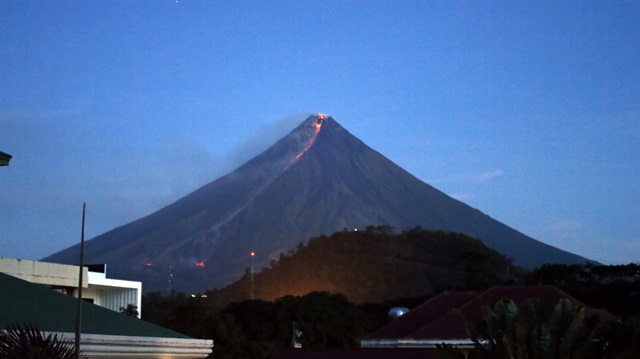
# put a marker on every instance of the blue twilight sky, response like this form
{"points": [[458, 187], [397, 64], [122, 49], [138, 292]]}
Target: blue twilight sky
{"points": [[528, 111]]}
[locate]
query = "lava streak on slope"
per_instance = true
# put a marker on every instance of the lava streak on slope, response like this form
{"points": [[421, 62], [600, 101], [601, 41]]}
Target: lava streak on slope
{"points": [[318, 125], [319, 122]]}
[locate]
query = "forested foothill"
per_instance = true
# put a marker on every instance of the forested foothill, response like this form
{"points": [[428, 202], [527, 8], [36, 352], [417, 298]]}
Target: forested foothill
{"points": [[375, 265], [334, 290]]}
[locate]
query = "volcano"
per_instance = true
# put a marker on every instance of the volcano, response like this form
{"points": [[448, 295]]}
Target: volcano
{"points": [[315, 181]]}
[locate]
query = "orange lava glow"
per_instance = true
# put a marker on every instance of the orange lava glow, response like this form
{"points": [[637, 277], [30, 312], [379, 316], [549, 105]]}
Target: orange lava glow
{"points": [[318, 125]]}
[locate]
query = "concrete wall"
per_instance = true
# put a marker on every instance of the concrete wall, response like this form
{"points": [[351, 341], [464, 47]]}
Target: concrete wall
{"points": [[51, 274], [109, 293], [114, 293]]}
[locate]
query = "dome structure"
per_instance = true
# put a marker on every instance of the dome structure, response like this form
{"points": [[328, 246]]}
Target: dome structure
{"points": [[397, 312]]}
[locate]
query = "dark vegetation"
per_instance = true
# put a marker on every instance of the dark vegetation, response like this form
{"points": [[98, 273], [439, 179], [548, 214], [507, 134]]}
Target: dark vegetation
{"points": [[130, 310], [28, 342], [337, 289], [616, 288], [256, 328], [376, 265], [508, 332]]}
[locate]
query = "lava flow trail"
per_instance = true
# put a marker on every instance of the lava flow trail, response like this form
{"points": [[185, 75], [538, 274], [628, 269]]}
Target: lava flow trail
{"points": [[318, 126]]}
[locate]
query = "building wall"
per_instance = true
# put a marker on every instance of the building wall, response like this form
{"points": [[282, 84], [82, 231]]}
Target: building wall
{"points": [[51, 274], [111, 297], [112, 294]]}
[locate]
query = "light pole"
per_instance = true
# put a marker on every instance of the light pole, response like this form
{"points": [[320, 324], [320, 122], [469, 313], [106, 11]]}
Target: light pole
{"points": [[80, 277], [4, 158], [253, 254]]}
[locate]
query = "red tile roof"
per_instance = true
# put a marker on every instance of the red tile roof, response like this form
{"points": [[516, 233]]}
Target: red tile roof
{"points": [[422, 314], [443, 317], [448, 315], [547, 294], [451, 325]]}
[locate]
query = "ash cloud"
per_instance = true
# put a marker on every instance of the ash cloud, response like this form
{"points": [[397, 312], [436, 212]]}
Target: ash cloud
{"points": [[262, 138]]}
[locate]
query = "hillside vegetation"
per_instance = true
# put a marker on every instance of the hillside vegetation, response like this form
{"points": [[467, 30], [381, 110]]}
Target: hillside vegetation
{"points": [[376, 265]]}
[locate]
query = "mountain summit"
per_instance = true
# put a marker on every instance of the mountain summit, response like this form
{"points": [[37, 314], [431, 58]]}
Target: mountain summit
{"points": [[317, 180]]}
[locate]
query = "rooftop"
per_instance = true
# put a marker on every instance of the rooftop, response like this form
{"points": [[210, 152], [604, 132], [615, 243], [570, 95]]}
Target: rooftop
{"points": [[446, 317], [56, 312]]}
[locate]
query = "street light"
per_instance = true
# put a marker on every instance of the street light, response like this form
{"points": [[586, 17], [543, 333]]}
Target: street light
{"points": [[253, 254], [4, 158], [80, 277]]}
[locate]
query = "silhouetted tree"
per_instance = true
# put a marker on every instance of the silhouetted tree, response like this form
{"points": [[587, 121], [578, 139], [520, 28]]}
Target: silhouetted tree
{"points": [[131, 310], [28, 342], [509, 332]]}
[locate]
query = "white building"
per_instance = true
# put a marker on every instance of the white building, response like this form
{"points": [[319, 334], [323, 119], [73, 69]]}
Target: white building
{"points": [[105, 334], [109, 293]]}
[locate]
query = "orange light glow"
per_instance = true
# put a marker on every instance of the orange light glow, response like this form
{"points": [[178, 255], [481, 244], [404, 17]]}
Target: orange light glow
{"points": [[253, 254], [319, 123], [200, 264], [318, 126]]}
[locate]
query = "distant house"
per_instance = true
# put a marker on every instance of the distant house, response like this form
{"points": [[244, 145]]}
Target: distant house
{"points": [[441, 319], [113, 294], [446, 317], [105, 333]]}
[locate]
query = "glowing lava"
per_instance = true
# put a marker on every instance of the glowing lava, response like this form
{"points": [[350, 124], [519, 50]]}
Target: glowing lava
{"points": [[318, 125]]}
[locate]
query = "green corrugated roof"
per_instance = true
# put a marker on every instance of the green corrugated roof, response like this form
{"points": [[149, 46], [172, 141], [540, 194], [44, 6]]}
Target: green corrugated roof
{"points": [[23, 302]]}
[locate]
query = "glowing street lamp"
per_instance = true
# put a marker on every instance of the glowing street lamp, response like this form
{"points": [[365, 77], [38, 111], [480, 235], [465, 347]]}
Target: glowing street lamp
{"points": [[253, 254]]}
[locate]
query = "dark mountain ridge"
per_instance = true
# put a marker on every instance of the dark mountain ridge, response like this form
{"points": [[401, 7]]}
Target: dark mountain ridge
{"points": [[317, 180], [375, 265]]}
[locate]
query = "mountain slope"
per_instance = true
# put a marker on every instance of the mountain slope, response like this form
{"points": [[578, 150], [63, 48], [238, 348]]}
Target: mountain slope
{"points": [[317, 180]]}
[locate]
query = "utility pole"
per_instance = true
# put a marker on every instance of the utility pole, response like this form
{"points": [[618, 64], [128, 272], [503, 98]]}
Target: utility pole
{"points": [[79, 311], [253, 254]]}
